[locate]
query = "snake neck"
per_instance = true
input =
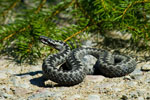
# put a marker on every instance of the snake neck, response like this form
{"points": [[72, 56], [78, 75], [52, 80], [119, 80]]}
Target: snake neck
{"points": [[60, 56]]}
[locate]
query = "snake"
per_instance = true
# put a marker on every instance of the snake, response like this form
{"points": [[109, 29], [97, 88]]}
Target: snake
{"points": [[73, 70]]}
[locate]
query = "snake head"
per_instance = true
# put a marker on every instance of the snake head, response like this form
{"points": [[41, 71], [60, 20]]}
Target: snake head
{"points": [[54, 43]]}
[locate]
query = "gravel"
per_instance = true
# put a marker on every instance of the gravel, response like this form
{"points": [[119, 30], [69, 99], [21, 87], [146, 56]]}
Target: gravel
{"points": [[25, 82]]}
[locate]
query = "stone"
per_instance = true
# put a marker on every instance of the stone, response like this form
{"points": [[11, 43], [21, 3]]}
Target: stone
{"points": [[3, 75], [5, 88], [134, 94], [95, 78], [127, 77], [132, 83], [118, 34], [15, 80], [10, 71], [140, 98], [93, 97], [5, 95], [124, 97], [148, 98], [137, 74], [74, 97], [20, 91], [141, 92], [28, 77], [147, 80], [89, 60], [44, 94], [24, 85], [117, 89], [145, 67], [107, 85], [88, 43]]}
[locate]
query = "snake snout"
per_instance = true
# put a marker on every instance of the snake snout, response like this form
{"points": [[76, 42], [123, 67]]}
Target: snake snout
{"points": [[55, 44], [44, 40], [47, 41]]}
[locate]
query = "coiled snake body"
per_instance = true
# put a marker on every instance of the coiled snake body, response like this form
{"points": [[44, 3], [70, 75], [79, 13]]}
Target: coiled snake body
{"points": [[110, 65]]}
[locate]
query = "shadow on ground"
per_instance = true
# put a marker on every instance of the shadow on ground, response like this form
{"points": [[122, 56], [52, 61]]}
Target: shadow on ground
{"points": [[35, 81], [29, 73], [39, 81]]}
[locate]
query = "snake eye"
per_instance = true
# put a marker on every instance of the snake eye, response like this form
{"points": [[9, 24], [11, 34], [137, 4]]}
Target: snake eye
{"points": [[43, 39], [46, 40]]}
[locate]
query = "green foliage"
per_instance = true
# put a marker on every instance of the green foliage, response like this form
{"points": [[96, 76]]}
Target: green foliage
{"points": [[23, 21], [126, 15]]}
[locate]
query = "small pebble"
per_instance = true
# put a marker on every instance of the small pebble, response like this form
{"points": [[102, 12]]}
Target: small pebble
{"points": [[15, 80], [24, 85], [140, 98], [141, 92], [3, 75], [88, 43], [4, 87], [117, 89], [20, 91], [137, 74], [145, 67], [93, 97], [107, 85], [44, 94], [5, 95], [74, 97], [148, 98], [133, 94], [124, 97], [127, 77], [132, 83], [147, 80], [95, 78]]}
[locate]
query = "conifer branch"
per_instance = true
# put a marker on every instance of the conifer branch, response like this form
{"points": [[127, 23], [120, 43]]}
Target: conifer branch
{"points": [[103, 4], [37, 11], [24, 28], [133, 3], [81, 15], [84, 12], [85, 28], [40, 6], [59, 10], [66, 6], [21, 30], [10, 8]]}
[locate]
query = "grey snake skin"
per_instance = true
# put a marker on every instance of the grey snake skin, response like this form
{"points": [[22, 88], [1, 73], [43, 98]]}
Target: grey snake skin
{"points": [[109, 65]]}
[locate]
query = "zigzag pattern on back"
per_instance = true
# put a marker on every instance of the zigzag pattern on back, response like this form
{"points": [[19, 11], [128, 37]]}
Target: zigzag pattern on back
{"points": [[110, 65]]}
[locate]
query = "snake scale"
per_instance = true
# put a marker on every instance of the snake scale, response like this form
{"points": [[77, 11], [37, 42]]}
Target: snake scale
{"points": [[109, 64]]}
